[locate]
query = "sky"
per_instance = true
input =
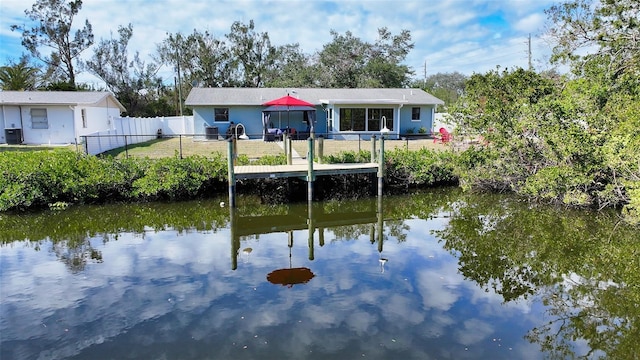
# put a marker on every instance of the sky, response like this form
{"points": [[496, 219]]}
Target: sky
{"points": [[467, 36]]}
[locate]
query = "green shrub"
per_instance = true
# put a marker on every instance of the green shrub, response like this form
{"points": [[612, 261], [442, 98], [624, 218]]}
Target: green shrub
{"points": [[38, 179], [279, 159], [423, 167], [362, 156], [175, 178]]}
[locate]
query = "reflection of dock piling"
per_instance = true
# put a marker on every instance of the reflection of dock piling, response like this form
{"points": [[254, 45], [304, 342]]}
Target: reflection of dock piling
{"points": [[380, 218], [307, 172], [295, 220]]}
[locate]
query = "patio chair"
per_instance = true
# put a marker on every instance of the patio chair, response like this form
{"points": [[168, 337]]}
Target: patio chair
{"points": [[444, 137]]}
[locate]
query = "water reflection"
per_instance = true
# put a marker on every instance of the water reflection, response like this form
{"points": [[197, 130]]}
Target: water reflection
{"points": [[468, 276], [314, 219]]}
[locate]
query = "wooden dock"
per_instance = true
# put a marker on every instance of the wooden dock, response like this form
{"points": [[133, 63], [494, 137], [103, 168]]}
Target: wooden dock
{"points": [[307, 171], [301, 170]]}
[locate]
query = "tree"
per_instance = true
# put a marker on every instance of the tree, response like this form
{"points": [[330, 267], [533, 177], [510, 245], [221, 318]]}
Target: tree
{"points": [[133, 82], [384, 61], [208, 62], [349, 62], [200, 58], [252, 52], [291, 68], [610, 31], [19, 76], [611, 26], [447, 87], [342, 61], [54, 21], [571, 140]]}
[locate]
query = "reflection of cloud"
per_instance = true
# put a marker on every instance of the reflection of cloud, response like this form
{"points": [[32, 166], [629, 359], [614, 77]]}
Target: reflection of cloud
{"points": [[438, 289], [361, 322], [167, 289], [400, 309], [473, 332]]}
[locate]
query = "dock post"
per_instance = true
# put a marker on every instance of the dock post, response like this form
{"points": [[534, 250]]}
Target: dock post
{"points": [[289, 151], [231, 174], [235, 150], [373, 148], [310, 174], [381, 166], [320, 149], [284, 146]]}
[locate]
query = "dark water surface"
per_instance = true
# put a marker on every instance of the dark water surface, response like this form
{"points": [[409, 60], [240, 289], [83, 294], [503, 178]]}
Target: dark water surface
{"points": [[433, 275]]}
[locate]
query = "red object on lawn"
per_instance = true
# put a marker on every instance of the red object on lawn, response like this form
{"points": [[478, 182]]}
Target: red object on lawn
{"points": [[445, 136]]}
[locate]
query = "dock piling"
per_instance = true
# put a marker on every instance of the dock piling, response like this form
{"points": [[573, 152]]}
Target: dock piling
{"points": [[231, 173], [320, 149], [310, 174], [373, 148]]}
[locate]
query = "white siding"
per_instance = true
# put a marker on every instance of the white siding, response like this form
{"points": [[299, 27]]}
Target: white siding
{"points": [[61, 127], [9, 119]]}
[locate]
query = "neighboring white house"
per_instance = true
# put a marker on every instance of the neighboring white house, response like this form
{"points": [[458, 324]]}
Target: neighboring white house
{"points": [[55, 117], [339, 113]]}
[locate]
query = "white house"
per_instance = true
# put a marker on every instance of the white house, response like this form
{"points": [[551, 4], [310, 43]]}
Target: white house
{"points": [[55, 117], [339, 113]]}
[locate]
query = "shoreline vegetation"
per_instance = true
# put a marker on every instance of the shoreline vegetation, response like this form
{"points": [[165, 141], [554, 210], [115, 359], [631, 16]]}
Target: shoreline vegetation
{"points": [[55, 179]]}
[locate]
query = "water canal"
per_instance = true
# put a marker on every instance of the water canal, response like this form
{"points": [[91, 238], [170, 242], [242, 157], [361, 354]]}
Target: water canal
{"points": [[438, 274]]}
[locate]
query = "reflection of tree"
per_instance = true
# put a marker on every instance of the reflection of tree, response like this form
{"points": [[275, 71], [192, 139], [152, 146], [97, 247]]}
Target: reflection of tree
{"points": [[582, 265], [76, 255], [606, 315]]}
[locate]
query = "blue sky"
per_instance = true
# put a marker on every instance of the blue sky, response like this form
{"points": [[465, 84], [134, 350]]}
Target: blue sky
{"points": [[449, 35]]}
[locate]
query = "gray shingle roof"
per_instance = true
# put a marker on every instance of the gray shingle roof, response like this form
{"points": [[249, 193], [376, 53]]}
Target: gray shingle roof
{"points": [[258, 96], [56, 98]]}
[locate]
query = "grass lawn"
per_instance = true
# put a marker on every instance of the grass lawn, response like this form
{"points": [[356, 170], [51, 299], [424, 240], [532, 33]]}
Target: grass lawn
{"points": [[253, 149], [6, 147]]}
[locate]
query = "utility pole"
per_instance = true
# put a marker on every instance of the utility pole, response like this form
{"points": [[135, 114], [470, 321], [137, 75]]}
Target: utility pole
{"points": [[425, 74], [530, 66]]}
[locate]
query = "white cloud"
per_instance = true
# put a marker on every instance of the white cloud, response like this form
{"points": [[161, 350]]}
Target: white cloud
{"points": [[532, 23], [435, 27]]}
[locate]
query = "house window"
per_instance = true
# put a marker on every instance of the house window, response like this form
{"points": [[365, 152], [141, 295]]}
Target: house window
{"points": [[374, 119], [415, 114], [352, 119], [363, 119], [221, 114], [39, 119], [83, 113]]}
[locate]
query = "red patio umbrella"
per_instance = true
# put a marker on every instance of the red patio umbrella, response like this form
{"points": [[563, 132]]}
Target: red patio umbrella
{"points": [[288, 101]]}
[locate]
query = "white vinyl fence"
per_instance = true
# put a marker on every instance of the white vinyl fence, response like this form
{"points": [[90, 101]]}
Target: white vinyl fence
{"points": [[128, 130]]}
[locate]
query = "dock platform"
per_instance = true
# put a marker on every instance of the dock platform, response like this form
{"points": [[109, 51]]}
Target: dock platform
{"points": [[301, 170], [308, 171]]}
